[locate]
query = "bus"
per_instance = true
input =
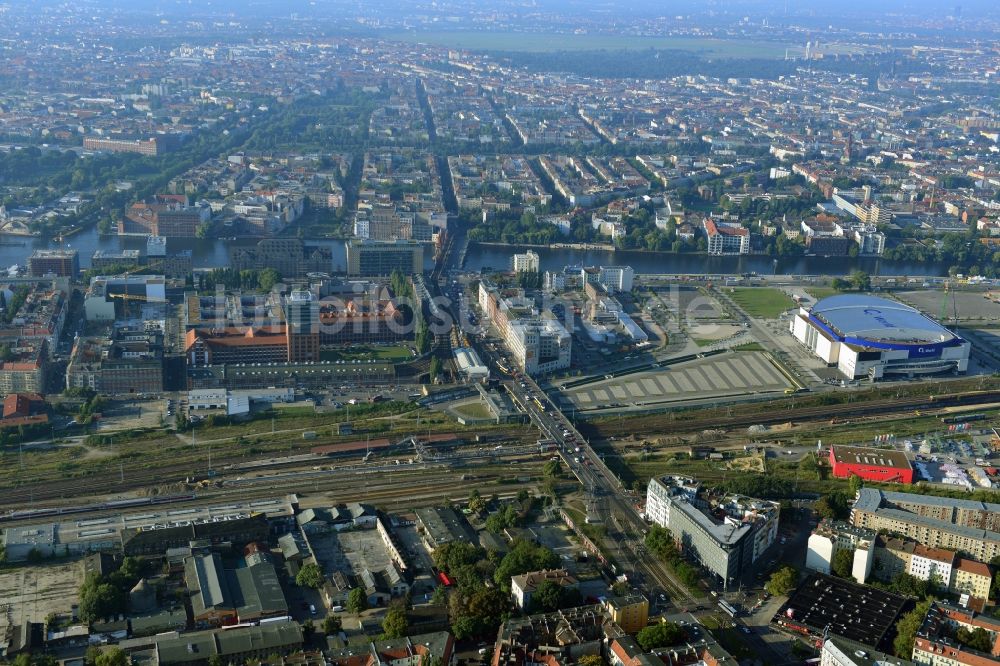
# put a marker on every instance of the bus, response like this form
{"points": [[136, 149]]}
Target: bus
{"points": [[727, 608], [538, 403]]}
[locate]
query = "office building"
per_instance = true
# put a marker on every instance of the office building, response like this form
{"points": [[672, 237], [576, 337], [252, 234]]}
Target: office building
{"points": [[289, 256], [726, 534], [302, 326], [129, 361], [62, 263], [538, 345], [380, 259]]}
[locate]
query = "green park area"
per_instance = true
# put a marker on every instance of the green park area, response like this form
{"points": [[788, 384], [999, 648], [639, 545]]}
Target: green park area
{"points": [[761, 302]]}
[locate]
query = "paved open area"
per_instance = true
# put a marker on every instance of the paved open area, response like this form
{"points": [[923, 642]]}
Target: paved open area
{"points": [[32, 593], [737, 373], [971, 306]]}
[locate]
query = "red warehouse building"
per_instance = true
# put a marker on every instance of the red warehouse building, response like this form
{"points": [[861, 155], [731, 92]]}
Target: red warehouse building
{"points": [[871, 464]]}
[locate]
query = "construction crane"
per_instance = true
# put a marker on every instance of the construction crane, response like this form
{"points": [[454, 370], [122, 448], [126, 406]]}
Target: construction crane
{"points": [[944, 305]]}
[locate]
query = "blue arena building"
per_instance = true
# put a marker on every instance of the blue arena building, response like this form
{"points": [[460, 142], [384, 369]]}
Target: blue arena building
{"points": [[866, 336]]}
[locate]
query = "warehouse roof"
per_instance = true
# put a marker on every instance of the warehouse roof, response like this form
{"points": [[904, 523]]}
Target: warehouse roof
{"points": [[863, 455]]}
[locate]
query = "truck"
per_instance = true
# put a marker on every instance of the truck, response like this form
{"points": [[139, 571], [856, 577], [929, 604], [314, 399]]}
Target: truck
{"points": [[309, 434]]}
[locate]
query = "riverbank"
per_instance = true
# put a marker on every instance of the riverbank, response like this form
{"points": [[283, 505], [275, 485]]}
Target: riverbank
{"points": [[603, 247]]}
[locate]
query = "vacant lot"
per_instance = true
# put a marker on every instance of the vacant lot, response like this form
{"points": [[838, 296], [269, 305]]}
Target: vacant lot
{"points": [[32, 593], [761, 302]]}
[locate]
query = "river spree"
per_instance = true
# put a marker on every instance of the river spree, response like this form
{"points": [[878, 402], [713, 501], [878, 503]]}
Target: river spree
{"points": [[214, 253], [498, 257]]}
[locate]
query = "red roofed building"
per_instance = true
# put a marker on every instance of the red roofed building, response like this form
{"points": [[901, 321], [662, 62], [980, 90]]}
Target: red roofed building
{"points": [[725, 238], [935, 646], [882, 465]]}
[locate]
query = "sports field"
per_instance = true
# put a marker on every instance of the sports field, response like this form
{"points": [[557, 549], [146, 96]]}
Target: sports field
{"points": [[545, 42]]}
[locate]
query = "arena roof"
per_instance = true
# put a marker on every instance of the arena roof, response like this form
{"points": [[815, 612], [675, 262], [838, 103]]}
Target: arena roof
{"points": [[860, 319]]}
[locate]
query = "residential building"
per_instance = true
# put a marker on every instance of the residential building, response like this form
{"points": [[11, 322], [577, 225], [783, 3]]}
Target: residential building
{"points": [[630, 612], [63, 263], [523, 586], [967, 526], [416, 650], [951, 573], [726, 534], [935, 644], [526, 263], [726, 238], [831, 537], [839, 651], [150, 147]]}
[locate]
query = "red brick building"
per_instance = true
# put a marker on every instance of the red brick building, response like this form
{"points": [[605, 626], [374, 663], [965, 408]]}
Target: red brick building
{"points": [[883, 465]]}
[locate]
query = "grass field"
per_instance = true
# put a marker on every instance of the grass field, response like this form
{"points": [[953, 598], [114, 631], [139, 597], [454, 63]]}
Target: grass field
{"points": [[547, 42], [762, 302]]}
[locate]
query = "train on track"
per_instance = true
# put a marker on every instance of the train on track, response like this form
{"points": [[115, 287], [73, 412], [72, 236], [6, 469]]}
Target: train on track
{"points": [[111, 505]]}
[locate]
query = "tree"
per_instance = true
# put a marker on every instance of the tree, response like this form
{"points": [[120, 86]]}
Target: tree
{"points": [[435, 368], [524, 556], [977, 639], [590, 660], [782, 581], [310, 575], [860, 280], [547, 597], [439, 595], [842, 563], [268, 278], [395, 624], [660, 635], [112, 657], [906, 629], [835, 506], [552, 469], [357, 601], [332, 624], [856, 483], [216, 660]]}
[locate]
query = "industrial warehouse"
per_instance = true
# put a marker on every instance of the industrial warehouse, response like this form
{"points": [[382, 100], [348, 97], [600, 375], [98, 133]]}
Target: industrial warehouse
{"points": [[866, 336]]}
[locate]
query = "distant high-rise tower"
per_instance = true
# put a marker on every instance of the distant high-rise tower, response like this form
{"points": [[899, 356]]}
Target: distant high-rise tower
{"points": [[302, 326]]}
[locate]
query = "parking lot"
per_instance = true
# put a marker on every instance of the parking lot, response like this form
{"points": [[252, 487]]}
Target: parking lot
{"points": [[729, 374]]}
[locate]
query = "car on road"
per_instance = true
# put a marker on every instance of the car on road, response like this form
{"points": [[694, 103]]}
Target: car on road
{"points": [[745, 629]]}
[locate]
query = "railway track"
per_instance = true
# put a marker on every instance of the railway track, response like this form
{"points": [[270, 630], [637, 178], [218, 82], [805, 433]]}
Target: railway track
{"points": [[771, 415]]}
